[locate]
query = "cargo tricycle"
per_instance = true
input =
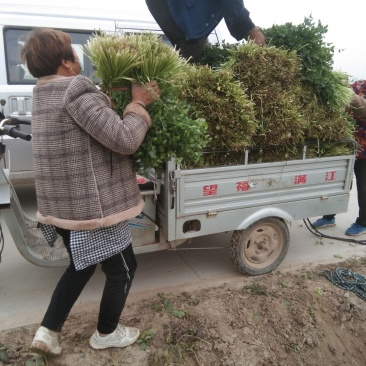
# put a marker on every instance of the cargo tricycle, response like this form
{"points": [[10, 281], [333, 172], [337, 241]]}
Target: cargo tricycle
{"points": [[254, 201]]}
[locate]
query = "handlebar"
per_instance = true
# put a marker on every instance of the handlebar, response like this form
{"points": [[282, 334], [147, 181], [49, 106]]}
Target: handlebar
{"points": [[9, 126], [12, 131]]}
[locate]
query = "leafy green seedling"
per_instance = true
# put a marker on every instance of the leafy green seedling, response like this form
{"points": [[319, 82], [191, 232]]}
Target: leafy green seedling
{"points": [[146, 337]]}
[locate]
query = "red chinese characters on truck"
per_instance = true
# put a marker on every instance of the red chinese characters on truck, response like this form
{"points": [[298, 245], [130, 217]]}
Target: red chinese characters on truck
{"points": [[330, 176], [301, 178], [210, 190], [243, 186]]}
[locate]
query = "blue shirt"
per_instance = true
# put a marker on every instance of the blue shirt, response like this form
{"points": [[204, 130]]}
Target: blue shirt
{"points": [[198, 18]]}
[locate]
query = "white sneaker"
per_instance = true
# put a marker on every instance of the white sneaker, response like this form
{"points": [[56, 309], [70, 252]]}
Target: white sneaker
{"points": [[46, 341], [121, 337]]}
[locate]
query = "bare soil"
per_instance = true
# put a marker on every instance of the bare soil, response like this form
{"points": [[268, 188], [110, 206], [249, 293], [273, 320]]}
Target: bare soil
{"points": [[280, 319]]}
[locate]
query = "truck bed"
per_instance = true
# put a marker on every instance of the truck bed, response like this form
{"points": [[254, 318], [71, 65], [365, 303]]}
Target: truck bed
{"points": [[218, 199]]}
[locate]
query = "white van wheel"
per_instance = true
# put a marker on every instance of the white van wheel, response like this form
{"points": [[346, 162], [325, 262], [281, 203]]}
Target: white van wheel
{"points": [[261, 247]]}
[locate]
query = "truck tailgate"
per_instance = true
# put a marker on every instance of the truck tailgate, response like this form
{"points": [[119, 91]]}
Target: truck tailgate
{"points": [[218, 199], [226, 188]]}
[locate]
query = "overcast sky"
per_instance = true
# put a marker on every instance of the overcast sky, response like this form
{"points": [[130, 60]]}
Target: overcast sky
{"points": [[345, 25]]}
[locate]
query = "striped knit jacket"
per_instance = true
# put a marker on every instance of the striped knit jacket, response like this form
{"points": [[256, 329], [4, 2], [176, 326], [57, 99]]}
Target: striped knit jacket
{"points": [[81, 150]]}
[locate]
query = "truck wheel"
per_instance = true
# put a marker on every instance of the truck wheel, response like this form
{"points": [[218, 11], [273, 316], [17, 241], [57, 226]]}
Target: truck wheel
{"points": [[261, 247]]}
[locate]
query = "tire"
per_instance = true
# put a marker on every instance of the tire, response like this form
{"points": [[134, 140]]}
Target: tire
{"points": [[261, 247]]}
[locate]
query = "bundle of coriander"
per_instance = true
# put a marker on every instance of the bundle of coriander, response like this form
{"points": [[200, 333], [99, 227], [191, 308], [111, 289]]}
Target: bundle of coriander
{"points": [[287, 110], [176, 132], [270, 78], [218, 98], [307, 39], [322, 123]]}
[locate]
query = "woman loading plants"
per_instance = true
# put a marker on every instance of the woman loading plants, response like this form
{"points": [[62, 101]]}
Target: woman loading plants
{"points": [[86, 188]]}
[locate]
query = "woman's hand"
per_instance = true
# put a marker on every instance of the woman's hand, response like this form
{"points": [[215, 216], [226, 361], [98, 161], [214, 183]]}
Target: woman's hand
{"points": [[145, 94]]}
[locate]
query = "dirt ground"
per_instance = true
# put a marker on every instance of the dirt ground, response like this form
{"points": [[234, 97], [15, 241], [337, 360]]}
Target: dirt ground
{"points": [[281, 319]]}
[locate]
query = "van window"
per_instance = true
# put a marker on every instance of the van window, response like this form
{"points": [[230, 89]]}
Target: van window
{"points": [[17, 73]]}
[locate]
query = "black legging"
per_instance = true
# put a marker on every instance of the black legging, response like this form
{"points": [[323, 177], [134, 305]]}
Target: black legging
{"points": [[360, 175], [119, 271]]}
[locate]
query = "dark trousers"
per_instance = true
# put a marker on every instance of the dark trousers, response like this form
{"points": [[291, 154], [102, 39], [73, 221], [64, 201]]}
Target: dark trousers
{"points": [[360, 175], [191, 49], [119, 271]]}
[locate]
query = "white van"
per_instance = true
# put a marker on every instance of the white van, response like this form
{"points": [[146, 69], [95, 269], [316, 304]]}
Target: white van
{"points": [[16, 83]]}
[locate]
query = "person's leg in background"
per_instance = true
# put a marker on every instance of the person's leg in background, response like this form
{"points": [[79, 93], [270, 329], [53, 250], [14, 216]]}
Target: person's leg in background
{"points": [[359, 227], [325, 221]]}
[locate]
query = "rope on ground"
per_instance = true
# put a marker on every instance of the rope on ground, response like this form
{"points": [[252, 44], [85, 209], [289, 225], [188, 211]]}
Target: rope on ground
{"points": [[348, 280], [1, 241], [315, 231]]}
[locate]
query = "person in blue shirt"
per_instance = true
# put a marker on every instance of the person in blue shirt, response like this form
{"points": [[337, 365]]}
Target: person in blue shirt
{"points": [[188, 23]]}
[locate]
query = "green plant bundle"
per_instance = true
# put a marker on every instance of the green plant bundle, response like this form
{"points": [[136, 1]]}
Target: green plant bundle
{"points": [[316, 56], [115, 59], [270, 77], [326, 150], [269, 154], [218, 98], [138, 58], [264, 69], [342, 92], [321, 93], [120, 59], [215, 55], [176, 132], [323, 124], [280, 119], [259, 96]]}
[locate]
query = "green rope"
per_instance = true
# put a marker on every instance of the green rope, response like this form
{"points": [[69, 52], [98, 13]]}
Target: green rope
{"points": [[348, 280]]}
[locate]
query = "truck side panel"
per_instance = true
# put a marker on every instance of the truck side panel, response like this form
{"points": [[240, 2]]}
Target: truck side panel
{"points": [[214, 200]]}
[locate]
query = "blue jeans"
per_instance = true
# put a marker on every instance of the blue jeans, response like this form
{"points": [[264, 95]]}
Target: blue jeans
{"points": [[119, 271], [360, 175]]}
